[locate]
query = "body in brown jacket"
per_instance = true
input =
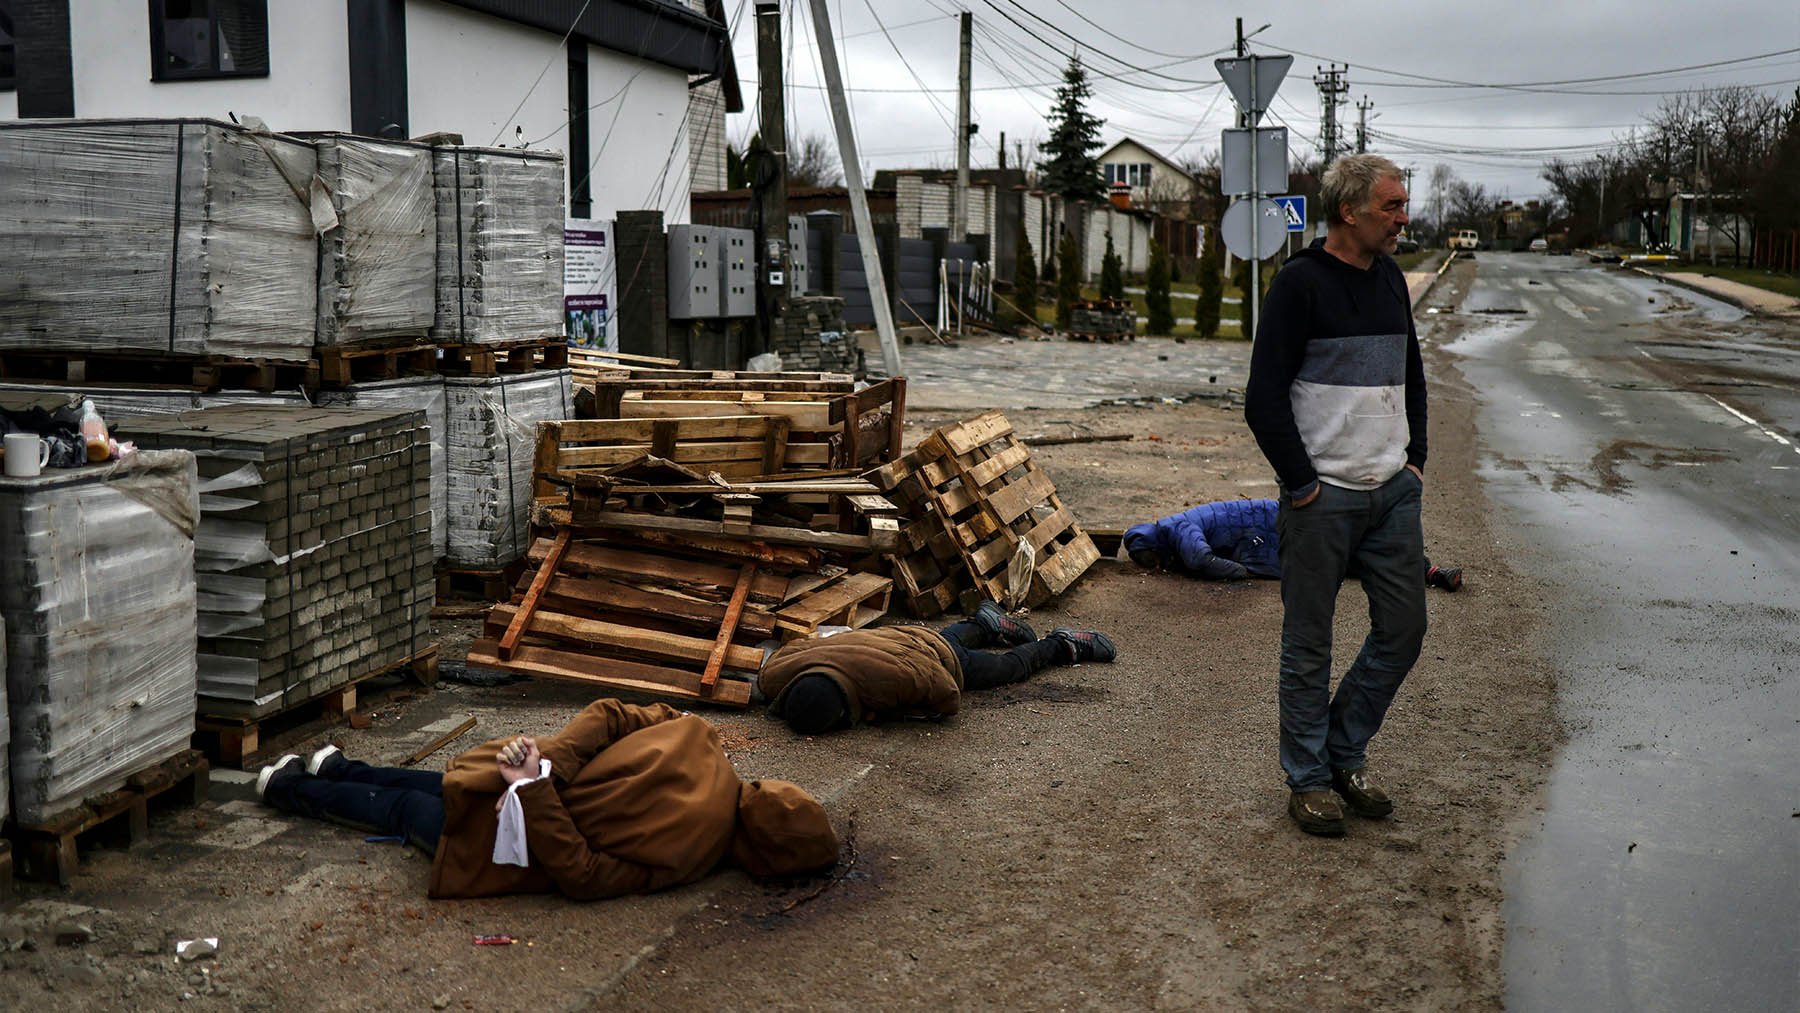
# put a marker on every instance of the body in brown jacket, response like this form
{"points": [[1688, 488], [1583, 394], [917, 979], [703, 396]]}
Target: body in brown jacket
{"points": [[865, 675], [637, 799]]}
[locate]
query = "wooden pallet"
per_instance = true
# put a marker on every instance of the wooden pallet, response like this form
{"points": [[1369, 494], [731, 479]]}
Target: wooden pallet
{"points": [[850, 428], [981, 488], [734, 446], [351, 364], [505, 357], [655, 620], [457, 585], [151, 370], [50, 851], [236, 741]]}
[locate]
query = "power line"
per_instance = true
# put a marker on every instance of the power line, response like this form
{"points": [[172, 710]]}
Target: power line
{"points": [[1428, 81]]}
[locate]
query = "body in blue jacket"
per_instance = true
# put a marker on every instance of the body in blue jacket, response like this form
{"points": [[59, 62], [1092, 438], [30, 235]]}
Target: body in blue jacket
{"points": [[1231, 540]]}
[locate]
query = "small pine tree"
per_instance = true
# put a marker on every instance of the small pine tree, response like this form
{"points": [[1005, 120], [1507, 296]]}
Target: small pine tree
{"points": [[1071, 167], [1025, 282], [1156, 292], [1212, 289], [1112, 273], [1068, 281]]}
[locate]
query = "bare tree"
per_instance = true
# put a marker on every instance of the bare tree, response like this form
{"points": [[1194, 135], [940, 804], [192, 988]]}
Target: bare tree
{"points": [[814, 162], [1470, 205]]}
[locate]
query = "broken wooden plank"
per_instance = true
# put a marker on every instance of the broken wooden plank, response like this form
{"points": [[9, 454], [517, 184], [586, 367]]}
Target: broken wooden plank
{"points": [[829, 540], [728, 628], [643, 567], [546, 569], [600, 594], [438, 743], [611, 673], [656, 644], [1057, 441], [856, 601]]}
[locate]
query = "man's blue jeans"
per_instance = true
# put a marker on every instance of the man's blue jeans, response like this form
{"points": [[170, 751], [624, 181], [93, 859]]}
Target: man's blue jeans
{"points": [[1379, 529], [385, 800]]}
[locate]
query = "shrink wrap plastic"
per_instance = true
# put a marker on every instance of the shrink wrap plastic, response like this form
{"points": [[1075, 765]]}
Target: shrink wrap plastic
{"points": [[492, 439], [97, 592], [376, 268], [176, 236], [499, 245]]}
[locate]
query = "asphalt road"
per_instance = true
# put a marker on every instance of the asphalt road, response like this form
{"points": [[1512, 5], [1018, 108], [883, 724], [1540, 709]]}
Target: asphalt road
{"points": [[1640, 442]]}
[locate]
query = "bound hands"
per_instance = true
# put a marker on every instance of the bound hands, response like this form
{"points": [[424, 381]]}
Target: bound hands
{"points": [[518, 759]]}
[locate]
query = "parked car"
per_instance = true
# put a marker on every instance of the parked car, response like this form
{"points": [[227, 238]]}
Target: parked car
{"points": [[1406, 244], [1540, 245], [1465, 239]]}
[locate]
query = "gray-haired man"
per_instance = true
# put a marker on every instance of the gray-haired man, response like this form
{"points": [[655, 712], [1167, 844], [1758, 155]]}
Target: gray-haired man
{"points": [[1336, 399]]}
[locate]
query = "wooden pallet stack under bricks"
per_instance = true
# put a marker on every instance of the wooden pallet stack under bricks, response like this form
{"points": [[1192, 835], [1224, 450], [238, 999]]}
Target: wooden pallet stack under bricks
{"points": [[970, 493], [313, 552], [827, 428]]}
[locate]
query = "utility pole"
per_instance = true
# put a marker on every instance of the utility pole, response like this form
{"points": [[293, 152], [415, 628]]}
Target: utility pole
{"points": [[770, 179], [1002, 149], [1362, 125], [959, 223], [853, 180], [1332, 89]]}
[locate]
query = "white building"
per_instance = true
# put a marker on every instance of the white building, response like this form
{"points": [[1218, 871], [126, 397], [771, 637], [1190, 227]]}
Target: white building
{"points": [[605, 82]]}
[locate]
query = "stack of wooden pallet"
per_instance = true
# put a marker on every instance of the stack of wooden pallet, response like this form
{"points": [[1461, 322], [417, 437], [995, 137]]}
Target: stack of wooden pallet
{"points": [[669, 548], [971, 499]]}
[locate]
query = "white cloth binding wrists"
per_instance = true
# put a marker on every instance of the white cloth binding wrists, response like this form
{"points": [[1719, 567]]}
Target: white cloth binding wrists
{"points": [[509, 837]]}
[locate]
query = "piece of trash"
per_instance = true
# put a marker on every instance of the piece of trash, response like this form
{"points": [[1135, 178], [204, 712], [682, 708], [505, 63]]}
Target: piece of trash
{"points": [[499, 940], [195, 949], [70, 932], [385, 839]]}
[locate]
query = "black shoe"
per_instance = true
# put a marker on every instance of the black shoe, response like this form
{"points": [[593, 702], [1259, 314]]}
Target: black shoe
{"points": [[328, 762], [1361, 794], [1000, 626], [1085, 645], [1317, 813], [1447, 577], [288, 766]]}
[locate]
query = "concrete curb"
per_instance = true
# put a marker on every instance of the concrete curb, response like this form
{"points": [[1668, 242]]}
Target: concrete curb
{"points": [[1750, 308]]}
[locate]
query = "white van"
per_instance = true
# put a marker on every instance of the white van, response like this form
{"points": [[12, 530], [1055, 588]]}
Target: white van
{"points": [[1466, 239]]}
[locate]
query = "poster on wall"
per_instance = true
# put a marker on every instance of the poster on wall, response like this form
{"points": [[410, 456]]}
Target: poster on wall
{"points": [[590, 284]]}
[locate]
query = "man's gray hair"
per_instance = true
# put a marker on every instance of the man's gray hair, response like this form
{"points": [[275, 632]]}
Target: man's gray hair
{"points": [[1351, 180]]}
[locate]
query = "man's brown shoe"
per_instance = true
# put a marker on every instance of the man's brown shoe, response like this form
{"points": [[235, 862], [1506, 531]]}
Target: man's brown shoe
{"points": [[1317, 812], [1361, 794]]}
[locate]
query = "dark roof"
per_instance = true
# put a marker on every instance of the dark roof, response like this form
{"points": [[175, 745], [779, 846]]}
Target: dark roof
{"points": [[661, 31]]}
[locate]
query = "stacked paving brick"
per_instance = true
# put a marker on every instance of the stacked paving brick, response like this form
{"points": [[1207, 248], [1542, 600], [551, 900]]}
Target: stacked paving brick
{"points": [[812, 337], [499, 244], [491, 437], [5, 737], [377, 269], [314, 548], [97, 592], [175, 236], [415, 393]]}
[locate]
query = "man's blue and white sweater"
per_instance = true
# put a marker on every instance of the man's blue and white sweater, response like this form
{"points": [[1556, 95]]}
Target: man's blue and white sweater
{"points": [[1337, 386]]}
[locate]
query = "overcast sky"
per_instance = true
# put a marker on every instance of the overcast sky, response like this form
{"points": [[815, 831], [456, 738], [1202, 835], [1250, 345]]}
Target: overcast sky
{"points": [[1151, 65]]}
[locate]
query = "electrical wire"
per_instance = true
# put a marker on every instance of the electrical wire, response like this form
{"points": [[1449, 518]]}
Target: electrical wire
{"points": [[560, 50]]}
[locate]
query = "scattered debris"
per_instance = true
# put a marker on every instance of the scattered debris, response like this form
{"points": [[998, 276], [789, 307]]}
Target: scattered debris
{"points": [[197, 949]]}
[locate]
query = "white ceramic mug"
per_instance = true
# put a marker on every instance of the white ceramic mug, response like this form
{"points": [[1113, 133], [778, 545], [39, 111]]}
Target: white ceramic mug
{"points": [[26, 455]]}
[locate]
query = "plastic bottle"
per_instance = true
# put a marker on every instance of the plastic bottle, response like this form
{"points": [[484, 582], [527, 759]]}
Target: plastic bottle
{"points": [[93, 432]]}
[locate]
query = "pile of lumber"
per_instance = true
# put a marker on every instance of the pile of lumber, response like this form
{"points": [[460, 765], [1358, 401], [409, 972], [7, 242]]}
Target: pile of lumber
{"points": [[980, 521]]}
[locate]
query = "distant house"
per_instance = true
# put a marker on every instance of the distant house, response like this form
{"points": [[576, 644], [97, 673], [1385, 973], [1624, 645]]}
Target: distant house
{"points": [[620, 87], [1153, 181]]}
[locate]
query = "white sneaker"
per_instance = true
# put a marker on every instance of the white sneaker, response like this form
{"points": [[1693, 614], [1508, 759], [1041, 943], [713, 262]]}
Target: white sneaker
{"points": [[321, 757], [268, 773]]}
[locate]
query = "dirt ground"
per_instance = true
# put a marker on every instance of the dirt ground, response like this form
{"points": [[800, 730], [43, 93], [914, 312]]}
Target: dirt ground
{"points": [[1100, 836]]}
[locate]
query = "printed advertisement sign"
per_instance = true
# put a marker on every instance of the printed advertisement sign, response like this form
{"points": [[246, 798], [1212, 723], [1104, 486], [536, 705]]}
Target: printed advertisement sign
{"points": [[590, 284]]}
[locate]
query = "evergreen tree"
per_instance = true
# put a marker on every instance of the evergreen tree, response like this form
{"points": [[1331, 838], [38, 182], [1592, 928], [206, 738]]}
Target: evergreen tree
{"points": [[1068, 281], [1156, 292], [1112, 273], [1071, 168], [1025, 281], [1212, 286]]}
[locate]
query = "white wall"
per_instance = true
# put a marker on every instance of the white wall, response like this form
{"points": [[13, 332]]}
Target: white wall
{"points": [[308, 87], [9, 105], [465, 72], [638, 140]]}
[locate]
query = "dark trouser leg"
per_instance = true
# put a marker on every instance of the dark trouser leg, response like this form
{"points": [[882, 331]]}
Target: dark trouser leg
{"points": [[1315, 548], [429, 782], [417, 816], [1391, 556], [964, 634], [987, 669]]}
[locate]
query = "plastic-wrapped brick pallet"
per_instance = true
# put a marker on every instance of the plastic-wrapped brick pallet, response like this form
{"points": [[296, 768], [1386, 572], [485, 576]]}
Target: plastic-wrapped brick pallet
{"points": [[97, 590], [127, 402], [492, 438], [423, 393], [176, 236], [499, 244], [5, 733], [376, 269], [314, 548]]}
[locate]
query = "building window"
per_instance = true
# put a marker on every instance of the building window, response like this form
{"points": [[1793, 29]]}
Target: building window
{"points": [[192, 39], [1135, 174], [8, 51]]}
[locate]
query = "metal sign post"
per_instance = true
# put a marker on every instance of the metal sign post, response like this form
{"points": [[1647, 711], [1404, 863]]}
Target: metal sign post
{"points": [[1248, 233]]}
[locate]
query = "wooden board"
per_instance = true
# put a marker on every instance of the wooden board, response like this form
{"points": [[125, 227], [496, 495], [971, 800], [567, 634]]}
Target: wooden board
{"points": [[856, 601], [234, 740], [50, 851], [668, 647], [612, 674]]}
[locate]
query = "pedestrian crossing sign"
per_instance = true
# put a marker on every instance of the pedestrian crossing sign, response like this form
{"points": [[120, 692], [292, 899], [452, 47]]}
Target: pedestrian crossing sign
{"points": [[1294, 208]]}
